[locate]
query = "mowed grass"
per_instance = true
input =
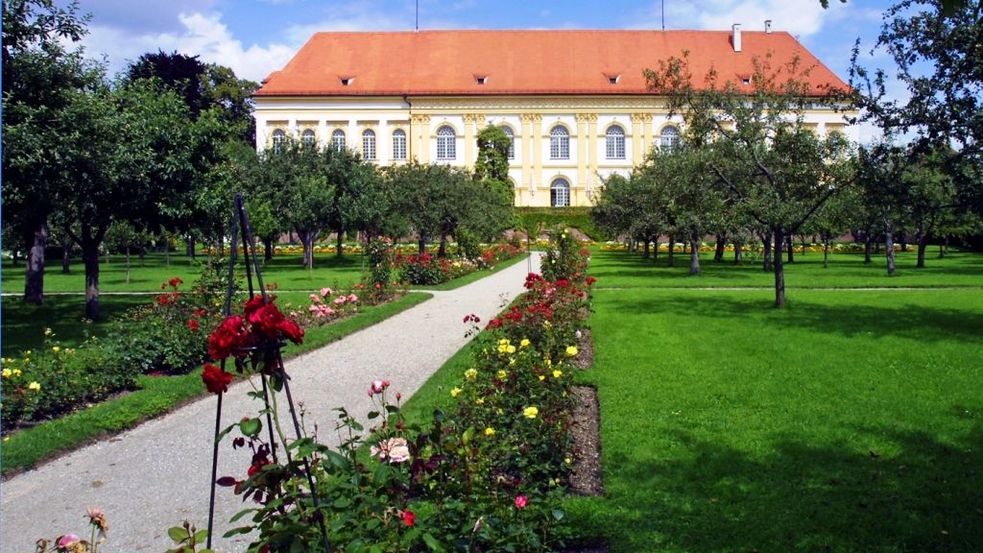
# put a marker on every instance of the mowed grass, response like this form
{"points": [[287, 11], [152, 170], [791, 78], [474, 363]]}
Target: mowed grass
{"points": [[156, 395], [631, 270], [852, 421], [286, 271]]}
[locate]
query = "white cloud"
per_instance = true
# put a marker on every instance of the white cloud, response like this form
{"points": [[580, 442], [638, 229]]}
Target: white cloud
{"points": [[798, 17], [203, 35]]}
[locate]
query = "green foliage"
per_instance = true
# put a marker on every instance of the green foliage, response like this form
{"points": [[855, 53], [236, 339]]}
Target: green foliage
{"points": [[468, 244], [565, 258], [492, 165], [564, 217]]}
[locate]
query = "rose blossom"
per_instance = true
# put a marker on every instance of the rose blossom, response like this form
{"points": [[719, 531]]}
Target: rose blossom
{"points": [[378, 386], [521, 501], [216, 380], [409, 517], [325, 292], [394, 450], [67, 541]]}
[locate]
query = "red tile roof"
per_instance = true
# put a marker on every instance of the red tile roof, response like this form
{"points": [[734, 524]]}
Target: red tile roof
{"points": [[520, 62]]}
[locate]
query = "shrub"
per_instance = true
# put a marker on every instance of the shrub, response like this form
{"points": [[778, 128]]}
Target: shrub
{"points": [[564, 258], [468, 245]]}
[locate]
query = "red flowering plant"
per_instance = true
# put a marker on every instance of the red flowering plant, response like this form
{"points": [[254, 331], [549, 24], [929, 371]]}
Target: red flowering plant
{"points": [[254, 336]]}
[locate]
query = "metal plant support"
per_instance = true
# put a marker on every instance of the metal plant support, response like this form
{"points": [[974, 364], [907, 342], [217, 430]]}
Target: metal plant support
{"points": [[273, 360]]}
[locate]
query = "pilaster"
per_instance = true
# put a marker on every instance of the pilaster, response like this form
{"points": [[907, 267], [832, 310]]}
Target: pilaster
{"points": [[419, 138], [583, 132], [592, 148]]}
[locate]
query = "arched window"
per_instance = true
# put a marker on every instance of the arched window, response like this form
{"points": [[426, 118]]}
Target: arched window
{"points": [[559, 143], [670, 138], [508, 132], [279, 137], [338, 139], [308, 138], [615, 145], [560, 193], [368, 144], [446, 147], [399, 144]]}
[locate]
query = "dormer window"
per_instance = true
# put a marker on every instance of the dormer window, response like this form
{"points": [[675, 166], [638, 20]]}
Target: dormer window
{"points": [[613, 79], [347, 81], [480, 79], [745, 80]]}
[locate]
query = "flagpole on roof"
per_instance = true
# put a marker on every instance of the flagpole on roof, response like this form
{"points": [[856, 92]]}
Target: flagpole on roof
{"points": [[417, 27], [663, 14]]}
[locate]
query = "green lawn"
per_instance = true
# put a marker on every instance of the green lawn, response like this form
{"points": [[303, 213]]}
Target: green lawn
{"points": [[157, 395], [852, 421], [629, 270], [286, 271]]}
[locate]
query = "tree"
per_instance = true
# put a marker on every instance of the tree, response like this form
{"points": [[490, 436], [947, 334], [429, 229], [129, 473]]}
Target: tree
{"points": [[931, 194], [39, 75], [130, 155], [492, 165], [179, 73], [762, 153], [936, 51], [880, 171]]}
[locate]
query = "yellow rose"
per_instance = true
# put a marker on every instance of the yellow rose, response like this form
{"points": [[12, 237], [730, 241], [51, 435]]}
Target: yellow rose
{"points": [[17, 372], [525, 342], [530, 412], [55, 349], [6, 373], [571, 351], [34, 386], [557, 373], [501, 375], [455, 391], [48, 332], [471, 374], [503, 342], [542, 378], [479, 401], [489, 431], [568, 461]]}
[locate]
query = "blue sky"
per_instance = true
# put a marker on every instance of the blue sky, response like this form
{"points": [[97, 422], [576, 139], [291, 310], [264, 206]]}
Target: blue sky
{"points": [[255, 37]]}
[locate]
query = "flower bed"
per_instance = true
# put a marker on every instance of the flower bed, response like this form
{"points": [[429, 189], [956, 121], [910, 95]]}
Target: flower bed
{"points": [[486, 474], [428, 269]]}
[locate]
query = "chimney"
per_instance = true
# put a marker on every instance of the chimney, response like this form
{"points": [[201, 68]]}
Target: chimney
{"points": [[737, 37], [768, 26]]}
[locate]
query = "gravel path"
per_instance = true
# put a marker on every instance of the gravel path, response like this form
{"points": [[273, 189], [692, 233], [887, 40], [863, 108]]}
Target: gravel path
{"points": [[156, 475]]}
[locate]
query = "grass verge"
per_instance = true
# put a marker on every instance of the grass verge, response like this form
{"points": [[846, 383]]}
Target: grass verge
{"points": [[158, 395]]}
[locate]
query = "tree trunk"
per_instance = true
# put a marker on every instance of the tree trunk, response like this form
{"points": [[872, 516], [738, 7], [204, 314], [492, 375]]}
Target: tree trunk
{"points": [[442, 250], [422, 245], [718, 252], [791, 248], [868, 259], [66, 256], [34, 275], [694, 253], [90, 256], [941, 251], [15, 256], [339, 247], [825, 252], [889, 246], [766, 240], [922, 238], [307, 241], [903, 239], [738, 252], [655, 249], [268, 248], [189, 246], [672, 250], [127, 264], [779, 269], [648, 252]]}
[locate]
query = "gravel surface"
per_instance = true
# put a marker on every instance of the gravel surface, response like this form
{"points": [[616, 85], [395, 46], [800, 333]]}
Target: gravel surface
{"points": [[156, 475]]}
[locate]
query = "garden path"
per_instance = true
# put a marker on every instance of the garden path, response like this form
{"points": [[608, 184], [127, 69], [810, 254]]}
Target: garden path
{"points": [[156, 475]]}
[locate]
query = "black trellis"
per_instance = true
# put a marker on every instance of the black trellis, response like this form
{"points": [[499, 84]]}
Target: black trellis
{"points": [[273, 360]]}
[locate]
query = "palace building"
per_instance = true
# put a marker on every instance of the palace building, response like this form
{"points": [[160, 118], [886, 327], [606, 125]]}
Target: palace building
{"points": [[574, 103]]}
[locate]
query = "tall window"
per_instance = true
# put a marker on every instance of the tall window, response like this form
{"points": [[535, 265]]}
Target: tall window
{"points": [[615, 142], [399, 144], [279, 137], [559, 143], [560, 193], [670, 138], [308, 138], [508, 132], [446, 143], [338, 139], [368, 144]]}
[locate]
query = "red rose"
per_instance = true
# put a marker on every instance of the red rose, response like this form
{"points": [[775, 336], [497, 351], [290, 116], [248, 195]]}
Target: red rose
{"points": [[175, 282], [562, 283], [409, 517], [200, 312], [193, 325], [292, 331], [252, 305], [266, 321], [224, 339], [591, 280], [163, 299], [495, 323], [215, 379]]}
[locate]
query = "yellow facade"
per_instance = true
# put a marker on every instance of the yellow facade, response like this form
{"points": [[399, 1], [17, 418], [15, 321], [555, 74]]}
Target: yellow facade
{"points": [[537, 172]]}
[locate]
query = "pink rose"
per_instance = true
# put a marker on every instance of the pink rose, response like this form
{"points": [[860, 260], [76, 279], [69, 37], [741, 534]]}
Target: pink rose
{"points": [[325, 292], [521, 501], [378, 386]]}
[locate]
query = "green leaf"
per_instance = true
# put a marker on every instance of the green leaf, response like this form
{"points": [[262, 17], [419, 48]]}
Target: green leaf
{"points": [[373, 415], [201, 536], [432, 542], [178, 534]]}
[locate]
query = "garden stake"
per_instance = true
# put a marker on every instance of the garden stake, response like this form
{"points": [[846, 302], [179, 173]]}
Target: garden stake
{"points": [[226, 311], [274, 355]]}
